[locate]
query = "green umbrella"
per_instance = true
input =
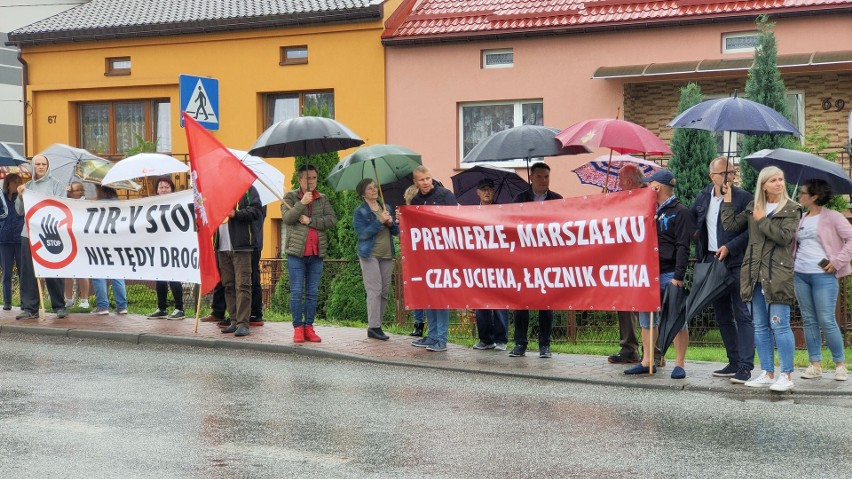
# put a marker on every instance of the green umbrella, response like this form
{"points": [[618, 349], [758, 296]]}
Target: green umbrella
{"points": [[383, 163]]}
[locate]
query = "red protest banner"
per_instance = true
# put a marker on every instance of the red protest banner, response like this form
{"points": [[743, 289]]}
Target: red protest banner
{"points": [[584, 253]]}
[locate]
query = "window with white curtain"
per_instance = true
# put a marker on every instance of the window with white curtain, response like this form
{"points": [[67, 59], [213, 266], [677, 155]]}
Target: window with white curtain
{"points": [[114, 127], [478, 121], [284, 106]]}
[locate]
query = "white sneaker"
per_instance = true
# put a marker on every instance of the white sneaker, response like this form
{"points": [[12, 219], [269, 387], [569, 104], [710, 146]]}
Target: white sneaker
{"points": [[760, 381], [841, 373], [502, 347], [812, 372], [84, 303], [69, 303], [783, 383]]}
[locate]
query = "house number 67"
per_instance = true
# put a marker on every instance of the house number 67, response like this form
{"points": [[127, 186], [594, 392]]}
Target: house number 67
{"points": [[51, 119]]}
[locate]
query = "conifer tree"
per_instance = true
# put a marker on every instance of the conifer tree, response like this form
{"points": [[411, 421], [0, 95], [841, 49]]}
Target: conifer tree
{"points": [[765, 86], [692, 150]]}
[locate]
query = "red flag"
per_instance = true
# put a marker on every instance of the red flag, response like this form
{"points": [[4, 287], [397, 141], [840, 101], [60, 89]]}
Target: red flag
{"points": [[219, 179]]}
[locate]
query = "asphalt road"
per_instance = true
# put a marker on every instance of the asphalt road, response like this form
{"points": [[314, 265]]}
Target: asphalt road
{"points": [[85, 408]]}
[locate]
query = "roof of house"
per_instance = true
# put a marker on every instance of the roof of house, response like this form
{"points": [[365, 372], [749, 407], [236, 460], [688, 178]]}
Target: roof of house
{"points": [[418, 21], [107, 19]]}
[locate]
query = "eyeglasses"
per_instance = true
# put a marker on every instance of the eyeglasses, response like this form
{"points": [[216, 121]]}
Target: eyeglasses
{"points": [[724, 173], [804, 192]]}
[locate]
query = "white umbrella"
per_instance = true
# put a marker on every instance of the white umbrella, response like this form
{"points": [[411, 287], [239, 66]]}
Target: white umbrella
{"points": [[142, 165], [270, 182]]}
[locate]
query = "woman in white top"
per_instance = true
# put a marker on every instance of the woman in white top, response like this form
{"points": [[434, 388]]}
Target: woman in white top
{"points": [[823, 251]]}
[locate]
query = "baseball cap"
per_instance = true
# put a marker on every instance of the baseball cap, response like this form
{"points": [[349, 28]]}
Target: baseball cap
{"points": [[485, 183], [661, 176]]}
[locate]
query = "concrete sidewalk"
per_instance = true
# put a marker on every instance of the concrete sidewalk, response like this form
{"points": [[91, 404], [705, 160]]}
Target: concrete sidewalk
{"points": [[352, 344]]}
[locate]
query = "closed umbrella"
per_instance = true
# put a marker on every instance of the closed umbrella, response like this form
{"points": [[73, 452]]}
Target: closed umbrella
{"points": [[507, 184], [672, 315], [710, 281], [800, 166], [302, 136]]}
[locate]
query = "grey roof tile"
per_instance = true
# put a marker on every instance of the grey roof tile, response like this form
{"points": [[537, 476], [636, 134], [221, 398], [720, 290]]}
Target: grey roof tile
{"points": [[121, 18]]}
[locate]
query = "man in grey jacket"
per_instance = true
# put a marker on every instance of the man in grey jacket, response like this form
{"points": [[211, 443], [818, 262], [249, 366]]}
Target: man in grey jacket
{"points": [[46, 185]]}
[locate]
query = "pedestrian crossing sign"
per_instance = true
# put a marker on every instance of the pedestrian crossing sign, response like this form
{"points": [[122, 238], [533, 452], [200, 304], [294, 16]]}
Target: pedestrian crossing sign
{"points": [[199, 97]]}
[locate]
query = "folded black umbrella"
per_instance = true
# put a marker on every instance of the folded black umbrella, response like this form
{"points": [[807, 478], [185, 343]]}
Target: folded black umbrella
{"points": [[672, 315], [709, 283]]}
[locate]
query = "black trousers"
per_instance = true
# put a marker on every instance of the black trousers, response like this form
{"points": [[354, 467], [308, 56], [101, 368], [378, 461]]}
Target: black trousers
{"points": [[522, 323]]}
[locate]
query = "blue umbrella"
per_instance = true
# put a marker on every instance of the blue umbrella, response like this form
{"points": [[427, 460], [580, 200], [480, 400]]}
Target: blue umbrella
{"points": [[10, 156], [734, 114], [800, 166]]}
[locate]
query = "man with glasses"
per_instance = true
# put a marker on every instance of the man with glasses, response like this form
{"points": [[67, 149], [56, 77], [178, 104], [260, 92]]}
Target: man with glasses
{"points": [[713, 243]]}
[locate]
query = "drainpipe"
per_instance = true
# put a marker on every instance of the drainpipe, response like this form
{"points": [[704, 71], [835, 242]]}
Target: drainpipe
{"points": [[24, 81]]}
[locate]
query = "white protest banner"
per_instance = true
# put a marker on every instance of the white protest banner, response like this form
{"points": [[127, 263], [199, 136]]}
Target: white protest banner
{"points": [[150, 238]]}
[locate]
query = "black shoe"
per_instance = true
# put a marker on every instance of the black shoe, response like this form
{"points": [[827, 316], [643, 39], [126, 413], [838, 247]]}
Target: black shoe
{"points": [[544, 352], [230, 329], [728, 371], [741, 377], [518, 351], [377, 333], [242, 330], [623, 359], [224, 323], [418, 330], [7, 307], [26, 314]]}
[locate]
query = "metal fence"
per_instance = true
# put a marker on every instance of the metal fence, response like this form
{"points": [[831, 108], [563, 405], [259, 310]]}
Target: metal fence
{"points": [[568, 326]]}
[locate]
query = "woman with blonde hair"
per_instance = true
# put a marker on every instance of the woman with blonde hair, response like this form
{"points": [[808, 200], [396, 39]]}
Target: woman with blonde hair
{"points": [[766, 278]]}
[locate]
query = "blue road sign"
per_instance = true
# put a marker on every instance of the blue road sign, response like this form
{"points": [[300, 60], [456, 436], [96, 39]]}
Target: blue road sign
{"points": [[199, 97]]}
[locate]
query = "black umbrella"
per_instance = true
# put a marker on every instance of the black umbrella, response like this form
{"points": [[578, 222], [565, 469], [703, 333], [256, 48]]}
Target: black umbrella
{"points": [[523, 142], [672, 317], [799, 166], [507, 184], [710, 281], [395, 192], [302, 136]]}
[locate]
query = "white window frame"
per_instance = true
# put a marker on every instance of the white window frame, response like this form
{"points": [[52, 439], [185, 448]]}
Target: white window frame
{"points": [[500, 51], [726, 36], [517, 121]]}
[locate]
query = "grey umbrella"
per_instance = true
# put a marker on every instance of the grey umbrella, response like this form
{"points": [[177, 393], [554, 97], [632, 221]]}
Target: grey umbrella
{"points": [[521, 142], [302, 136], [10, 156], [799, 166]]}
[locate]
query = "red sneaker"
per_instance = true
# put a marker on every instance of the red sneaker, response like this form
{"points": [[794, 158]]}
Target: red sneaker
{"points": [[299, 334], [311, 335]]}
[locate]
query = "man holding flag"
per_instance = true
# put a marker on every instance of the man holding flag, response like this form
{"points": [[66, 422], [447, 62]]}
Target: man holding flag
{"points": [[219, 181]]}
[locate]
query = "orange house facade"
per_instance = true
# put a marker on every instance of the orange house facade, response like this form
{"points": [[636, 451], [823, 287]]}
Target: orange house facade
{"points": [[104, 75], [458, 73]]}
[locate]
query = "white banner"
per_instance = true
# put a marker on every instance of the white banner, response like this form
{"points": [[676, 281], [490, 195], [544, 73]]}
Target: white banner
{"points": [[149, 238]]}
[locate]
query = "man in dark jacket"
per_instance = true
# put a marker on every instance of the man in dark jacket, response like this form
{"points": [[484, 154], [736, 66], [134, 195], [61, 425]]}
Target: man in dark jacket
{"points": [[234, 243], [431, 193], [539, 191], [714, 243], [675, 227]]}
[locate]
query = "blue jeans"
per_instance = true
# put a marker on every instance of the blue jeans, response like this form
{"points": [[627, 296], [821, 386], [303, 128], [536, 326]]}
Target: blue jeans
{"points": [[439, 324], [10, 255], [305, 275], [772, 320], [817, 296], [118, 292], [645, 317], [419, 316]]}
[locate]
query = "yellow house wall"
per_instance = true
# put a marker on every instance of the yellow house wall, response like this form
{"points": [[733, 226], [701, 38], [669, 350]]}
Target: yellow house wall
{"points": [[346, 58]]}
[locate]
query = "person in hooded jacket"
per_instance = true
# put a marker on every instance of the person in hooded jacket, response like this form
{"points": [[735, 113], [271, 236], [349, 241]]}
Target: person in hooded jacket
{"points": [[46, 185]]}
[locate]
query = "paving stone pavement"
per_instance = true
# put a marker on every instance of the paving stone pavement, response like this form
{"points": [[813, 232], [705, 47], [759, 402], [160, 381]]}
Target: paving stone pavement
{"points": [[352, 344]]}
